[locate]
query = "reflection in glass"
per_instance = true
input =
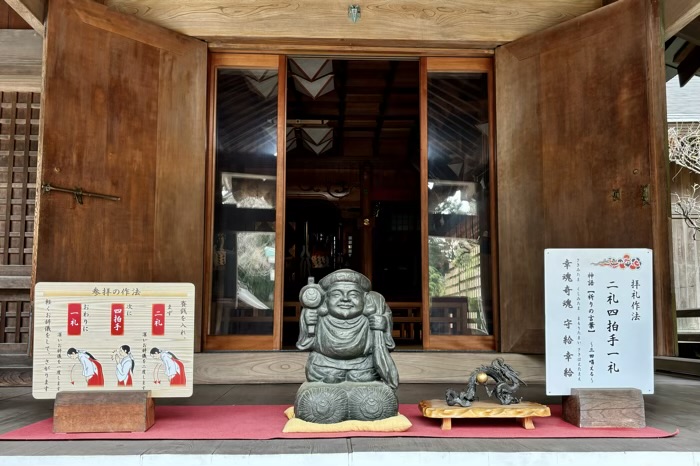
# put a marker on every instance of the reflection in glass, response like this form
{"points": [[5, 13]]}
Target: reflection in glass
{"points": [[243, 276], [249, 191], [458, 205]]}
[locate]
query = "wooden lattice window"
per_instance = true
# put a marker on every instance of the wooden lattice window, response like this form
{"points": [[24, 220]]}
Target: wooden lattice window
{"points": [[19, 141]]}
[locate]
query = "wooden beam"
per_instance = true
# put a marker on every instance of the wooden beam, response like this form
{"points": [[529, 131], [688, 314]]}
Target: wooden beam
{"points": [[250, 367], [457, 22], [684, 52], [20, 55], [342, 91], [386, 95], [691, 32], [677, 365], [32, 11], [689, 66], [678, 14]]}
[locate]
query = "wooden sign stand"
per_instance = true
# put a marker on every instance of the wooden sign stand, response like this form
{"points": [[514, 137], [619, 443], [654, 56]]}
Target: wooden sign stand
{"points": [[612, 407], [107, 411]]}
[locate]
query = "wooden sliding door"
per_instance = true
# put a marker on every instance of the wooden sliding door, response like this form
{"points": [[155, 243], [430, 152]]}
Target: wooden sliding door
{"points": [[246, 203], [456, 204]]}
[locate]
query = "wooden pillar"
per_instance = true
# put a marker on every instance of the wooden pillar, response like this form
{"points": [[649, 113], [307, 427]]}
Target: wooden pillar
{"points": [[367, 221]]}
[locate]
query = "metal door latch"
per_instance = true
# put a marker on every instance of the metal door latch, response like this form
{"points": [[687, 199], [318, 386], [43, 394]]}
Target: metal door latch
{"points": [[78, 193], [646, 194]]}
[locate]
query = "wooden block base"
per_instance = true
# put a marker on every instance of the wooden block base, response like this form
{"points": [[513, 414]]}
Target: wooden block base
{"points": [[524, 411], [611, 407], [74, 412]]}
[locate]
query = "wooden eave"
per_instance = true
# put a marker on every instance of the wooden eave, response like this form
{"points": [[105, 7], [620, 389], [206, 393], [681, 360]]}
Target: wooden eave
{"points": [[441, 23]]}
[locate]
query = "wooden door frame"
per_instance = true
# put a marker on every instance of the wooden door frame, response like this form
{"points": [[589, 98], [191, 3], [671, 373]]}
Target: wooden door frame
{"points": [[245, 342], [461, 65], [480, 61]]}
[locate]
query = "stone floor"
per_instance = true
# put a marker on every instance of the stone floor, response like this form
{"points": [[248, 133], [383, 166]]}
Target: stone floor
{"points": [[673, 406]]}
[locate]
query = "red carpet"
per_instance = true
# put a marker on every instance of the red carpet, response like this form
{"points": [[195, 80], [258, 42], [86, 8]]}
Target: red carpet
{"points": [[266, 422]]}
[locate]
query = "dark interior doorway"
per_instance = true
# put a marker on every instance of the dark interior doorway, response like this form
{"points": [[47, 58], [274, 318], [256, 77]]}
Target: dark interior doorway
{"points": [[353, 196]]}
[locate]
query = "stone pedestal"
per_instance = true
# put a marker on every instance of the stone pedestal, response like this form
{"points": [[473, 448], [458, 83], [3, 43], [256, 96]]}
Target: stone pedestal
{"points": [[132, 411], [325, 403], [611, 407]]}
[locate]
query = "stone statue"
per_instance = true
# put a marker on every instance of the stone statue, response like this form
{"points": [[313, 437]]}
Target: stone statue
{"points": [[349, 373]]}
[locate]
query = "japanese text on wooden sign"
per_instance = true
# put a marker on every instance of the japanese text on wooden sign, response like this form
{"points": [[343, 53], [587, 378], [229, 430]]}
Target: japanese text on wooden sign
{"points": [[113, 336], [598, 319]]}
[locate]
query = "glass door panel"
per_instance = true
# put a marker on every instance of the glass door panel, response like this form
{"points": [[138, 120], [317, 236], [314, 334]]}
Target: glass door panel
{"points": [[457, 205], [244, 204]]}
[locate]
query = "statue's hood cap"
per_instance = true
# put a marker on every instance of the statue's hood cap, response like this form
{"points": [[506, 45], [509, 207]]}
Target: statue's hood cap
{"points": [[345, 276]]}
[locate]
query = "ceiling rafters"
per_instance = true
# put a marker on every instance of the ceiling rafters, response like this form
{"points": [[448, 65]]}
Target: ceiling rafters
{"points": [[362, 105], [383, 105], [341, 73], [31, 11], [682, 52], [678, 14], [689, 66]]}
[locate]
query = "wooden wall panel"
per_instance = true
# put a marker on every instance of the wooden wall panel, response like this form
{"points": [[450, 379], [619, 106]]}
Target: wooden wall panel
{"points": [[461, 23], [685, 250], [20, 59], [15, 313], [127, 119], [576, 114], [686, 266], [19, 141]]}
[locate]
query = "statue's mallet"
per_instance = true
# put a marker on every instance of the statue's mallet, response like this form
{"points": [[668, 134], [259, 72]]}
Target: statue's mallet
{"points": [[311, 296]]}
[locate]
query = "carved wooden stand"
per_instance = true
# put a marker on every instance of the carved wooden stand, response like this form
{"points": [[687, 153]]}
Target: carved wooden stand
{"points": [[132, 411], [523, 411]]}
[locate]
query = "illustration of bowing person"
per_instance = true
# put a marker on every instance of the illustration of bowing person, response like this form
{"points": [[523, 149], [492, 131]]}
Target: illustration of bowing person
{"points": [[125, 365], [92, 369], [172, 366]]}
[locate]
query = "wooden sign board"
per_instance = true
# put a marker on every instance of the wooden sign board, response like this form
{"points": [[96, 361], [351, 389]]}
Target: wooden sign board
{"points": [[598, 319], [113, 336]]}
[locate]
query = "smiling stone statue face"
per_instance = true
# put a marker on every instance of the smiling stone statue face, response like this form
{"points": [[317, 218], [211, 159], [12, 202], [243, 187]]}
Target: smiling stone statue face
{"points": [[345, 301]]}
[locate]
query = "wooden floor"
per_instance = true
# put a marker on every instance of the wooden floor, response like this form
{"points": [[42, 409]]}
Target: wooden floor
{"points": [[674, 405]]}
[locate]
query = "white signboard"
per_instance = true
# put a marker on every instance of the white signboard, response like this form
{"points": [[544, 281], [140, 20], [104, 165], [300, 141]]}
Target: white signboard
{"points": [[598, 319], [113, 336]]}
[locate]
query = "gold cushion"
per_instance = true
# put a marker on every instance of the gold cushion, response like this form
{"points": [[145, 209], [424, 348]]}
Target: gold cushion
{"points": [[398, 423]]}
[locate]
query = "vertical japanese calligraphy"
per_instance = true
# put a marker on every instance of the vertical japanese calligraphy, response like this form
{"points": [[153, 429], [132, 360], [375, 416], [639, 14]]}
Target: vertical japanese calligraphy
{"points": [[598, 319], [74, 320], [117, 320], [158, 319]]}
